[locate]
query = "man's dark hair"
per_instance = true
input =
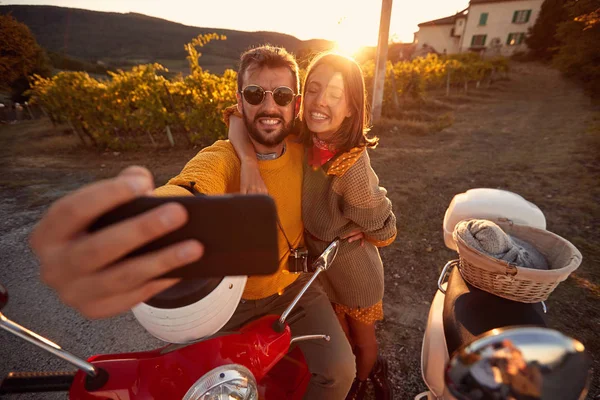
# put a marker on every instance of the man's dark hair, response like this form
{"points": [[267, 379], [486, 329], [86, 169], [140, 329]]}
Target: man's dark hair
{"points": [[271, 57]]}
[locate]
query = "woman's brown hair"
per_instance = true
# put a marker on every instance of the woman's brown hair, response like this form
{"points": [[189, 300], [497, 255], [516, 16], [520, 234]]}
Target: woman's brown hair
{"points": [[354, 129]]}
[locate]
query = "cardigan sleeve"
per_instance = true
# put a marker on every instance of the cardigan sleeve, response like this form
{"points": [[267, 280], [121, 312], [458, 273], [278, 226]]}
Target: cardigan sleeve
{"points": [[365, 203], [229, 111]]}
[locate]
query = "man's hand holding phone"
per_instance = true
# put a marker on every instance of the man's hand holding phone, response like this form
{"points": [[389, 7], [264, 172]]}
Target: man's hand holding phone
{"points": [[87, 269]]}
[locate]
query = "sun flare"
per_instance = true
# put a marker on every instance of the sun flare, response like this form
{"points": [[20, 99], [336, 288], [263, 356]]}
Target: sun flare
{"points": [[350, 38], [347, 47]]}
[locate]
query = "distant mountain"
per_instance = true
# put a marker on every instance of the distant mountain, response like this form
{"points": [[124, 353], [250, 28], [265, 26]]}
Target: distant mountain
{"points": [[116, 37]]}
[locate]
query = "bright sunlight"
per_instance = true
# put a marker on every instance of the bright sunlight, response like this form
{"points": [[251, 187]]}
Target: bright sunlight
{"points": [[349, 40]]}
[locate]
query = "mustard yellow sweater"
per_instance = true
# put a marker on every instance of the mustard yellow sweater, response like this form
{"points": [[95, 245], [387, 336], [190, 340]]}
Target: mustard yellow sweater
{"points": [[216, 170]]}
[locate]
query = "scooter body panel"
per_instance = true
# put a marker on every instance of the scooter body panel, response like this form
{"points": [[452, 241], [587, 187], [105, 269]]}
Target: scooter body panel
{"points": [[434, 353], [168, 374], [287, 380]]}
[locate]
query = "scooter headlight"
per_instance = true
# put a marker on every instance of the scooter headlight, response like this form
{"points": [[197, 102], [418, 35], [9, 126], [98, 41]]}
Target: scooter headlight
{"points": [[227, 382]]}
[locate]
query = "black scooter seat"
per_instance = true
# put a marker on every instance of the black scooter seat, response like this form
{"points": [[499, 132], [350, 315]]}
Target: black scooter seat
{"points": [[469, 312]]}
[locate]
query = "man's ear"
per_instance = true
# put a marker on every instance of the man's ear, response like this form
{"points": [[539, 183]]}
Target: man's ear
{"points": [[240, 106], [297, 105]]}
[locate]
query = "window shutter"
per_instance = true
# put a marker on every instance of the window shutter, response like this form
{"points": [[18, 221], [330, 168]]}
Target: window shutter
{"points": [[515, 14], [483, 18], [528, 15], [484, 38], [509, 39], [473, 40]]}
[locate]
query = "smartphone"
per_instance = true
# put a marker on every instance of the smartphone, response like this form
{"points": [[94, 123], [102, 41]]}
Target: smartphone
{"points": [[239, 233]]}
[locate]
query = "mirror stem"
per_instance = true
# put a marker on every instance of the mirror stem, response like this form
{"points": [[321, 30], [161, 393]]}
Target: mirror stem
{"points": [[46, 344], [288, 310]]}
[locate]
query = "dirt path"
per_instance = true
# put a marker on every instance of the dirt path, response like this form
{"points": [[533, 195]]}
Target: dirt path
{"points": [[533, 135]]}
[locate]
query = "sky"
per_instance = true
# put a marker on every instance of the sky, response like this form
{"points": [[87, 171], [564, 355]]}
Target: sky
{"points": [[354, 23]]}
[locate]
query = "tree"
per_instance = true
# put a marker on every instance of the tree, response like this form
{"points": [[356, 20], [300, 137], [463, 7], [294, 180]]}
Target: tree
{"points": [[20, 54], [542, 36], [579, 38]]}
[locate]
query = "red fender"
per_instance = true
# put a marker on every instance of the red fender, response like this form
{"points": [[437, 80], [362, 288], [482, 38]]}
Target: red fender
{"points": [[168, 372]]}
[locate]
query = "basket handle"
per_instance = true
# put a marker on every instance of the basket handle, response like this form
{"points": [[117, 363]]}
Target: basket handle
{"points": [[445, 271]]}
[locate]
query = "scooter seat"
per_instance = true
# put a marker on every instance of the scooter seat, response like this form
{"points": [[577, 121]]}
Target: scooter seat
{"points": [[469, 312]]}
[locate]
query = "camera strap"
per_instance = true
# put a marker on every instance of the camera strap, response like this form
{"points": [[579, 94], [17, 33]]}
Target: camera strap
{"points": [[284, 235]]}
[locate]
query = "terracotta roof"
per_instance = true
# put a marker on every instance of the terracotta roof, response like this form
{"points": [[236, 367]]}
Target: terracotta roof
{"points": [[446, 20]]}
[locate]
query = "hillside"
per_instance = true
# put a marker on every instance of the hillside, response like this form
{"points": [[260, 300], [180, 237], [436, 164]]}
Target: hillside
{"points": [[116, 37]]}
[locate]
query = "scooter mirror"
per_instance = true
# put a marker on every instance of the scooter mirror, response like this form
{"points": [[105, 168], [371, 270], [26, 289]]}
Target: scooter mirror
{"points": [[327, 256], [520, 363], [321, 264], [3, 297]]}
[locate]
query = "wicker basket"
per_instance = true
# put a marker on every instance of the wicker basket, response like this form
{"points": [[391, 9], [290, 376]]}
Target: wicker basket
{"points": [[519, 283]]}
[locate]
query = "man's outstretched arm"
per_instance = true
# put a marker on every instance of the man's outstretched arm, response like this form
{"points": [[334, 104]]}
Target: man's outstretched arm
{"points": [[74, 262]]}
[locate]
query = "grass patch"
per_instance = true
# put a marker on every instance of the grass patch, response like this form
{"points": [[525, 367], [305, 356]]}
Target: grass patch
{"points": [[480, 93], [414, 127], [461, 99], [416, 115], [443, 122], [385, 126], [57, 143], [427, 104], [417, 123]]}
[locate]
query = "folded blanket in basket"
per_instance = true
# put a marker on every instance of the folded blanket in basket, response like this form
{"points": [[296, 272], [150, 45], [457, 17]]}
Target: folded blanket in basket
{"points": [[487, 237]]}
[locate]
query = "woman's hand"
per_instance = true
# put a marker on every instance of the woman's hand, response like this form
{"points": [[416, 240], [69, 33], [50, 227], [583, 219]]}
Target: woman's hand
{"points": [[250, 180], [354, 236]]}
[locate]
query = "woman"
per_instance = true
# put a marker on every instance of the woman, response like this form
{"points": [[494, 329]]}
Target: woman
{"points": [[341, 198]]}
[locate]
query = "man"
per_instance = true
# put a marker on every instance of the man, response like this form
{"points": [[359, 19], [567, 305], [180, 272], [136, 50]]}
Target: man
{"points": [[73, 262]]}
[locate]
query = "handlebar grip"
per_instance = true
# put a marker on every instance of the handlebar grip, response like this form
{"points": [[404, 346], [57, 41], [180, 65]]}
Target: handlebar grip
{"points": [[29, 382], [296, 315]]}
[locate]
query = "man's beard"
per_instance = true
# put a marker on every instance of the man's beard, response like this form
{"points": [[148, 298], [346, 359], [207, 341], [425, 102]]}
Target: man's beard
{"points": [[270, 141]]}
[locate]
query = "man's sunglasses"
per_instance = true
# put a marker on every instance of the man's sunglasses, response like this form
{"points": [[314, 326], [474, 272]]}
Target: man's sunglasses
{"points": [[255, 95]]}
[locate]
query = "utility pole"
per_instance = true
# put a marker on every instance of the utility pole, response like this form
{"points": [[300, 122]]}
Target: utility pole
{"points": [[382, 50]]}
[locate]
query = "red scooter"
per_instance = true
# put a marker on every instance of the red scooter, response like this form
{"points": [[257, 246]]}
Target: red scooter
{"points": [[255, 362]]}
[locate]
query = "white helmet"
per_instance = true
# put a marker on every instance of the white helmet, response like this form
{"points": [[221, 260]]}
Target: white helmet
{"points": [[192, 309]]}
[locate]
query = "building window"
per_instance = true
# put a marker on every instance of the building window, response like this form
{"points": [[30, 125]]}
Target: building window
{"points": [[478, 40], [521, 16], [515, 38], [483, 19]]}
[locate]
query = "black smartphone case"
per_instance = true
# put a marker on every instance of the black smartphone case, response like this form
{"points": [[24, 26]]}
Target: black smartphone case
{"points": [[239, 233]]}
